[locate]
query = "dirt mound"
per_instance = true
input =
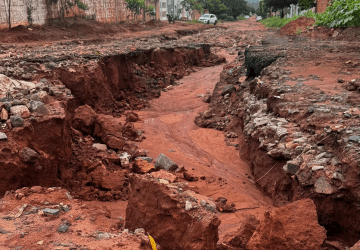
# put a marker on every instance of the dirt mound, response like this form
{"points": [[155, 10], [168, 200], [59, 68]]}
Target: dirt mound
{"points": [[299, 24]]}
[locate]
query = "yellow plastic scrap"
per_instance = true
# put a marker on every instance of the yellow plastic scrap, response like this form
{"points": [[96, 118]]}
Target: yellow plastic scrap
{"points": [[152, 241]]}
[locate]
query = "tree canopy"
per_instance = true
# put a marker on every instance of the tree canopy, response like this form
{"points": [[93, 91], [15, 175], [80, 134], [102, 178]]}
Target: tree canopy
{"points": [[236, 7], [279, 4]]}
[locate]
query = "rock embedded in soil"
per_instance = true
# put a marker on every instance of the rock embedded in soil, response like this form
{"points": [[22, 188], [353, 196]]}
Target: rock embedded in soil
{"points": [[38, 107], [51, 211], [28, 155], [20, 110], [63, 228], [4, 116], [164, 162], [3, 136], [142, 167], [228, 89], [294, 226], [322, 186], [84, 119], [16, 121], [99, 146], [160, 210]]}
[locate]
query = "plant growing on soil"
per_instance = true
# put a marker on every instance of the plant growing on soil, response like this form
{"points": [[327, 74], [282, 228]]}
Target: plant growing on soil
{"points": [[150, 10], [342, 13], [298, 31], [135, 6], [276, 22], [29, 10]]}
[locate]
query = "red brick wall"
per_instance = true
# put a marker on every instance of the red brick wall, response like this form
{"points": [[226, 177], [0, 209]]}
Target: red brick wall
{"points": [[107, 11]]}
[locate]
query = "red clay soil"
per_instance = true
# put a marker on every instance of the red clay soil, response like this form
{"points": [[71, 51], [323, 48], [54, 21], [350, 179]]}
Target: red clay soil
{"points": [[299, 24]]}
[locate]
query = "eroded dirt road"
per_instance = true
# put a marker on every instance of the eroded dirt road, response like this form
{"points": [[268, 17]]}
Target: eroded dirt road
{"points": [[169, 128]]}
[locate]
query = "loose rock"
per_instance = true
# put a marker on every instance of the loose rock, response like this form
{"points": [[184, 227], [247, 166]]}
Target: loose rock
{"points": [[163, 162]]}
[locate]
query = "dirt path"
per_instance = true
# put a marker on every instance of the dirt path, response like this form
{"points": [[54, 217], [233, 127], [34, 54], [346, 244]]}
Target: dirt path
{"points": [[169, 125]]}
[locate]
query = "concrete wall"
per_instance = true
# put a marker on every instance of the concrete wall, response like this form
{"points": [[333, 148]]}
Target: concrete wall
{"points": [[106, 11]]}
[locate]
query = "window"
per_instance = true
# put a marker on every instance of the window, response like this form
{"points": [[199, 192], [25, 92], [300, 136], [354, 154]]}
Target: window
{"points": [[163, 14], [163, 5]]}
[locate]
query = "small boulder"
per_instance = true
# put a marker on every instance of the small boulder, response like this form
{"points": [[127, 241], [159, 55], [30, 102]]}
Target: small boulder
{"points": [[20, 110], [228, 89], [162, 174], [28, 155], [16, 121], [99, 146], [63, 228], [51, 211], [132, 117], [294, 226], [142, 167], [322, 186], [3, 136], [114, 142], [4, 116], [84, 119], [163, 162], [38, 107]]}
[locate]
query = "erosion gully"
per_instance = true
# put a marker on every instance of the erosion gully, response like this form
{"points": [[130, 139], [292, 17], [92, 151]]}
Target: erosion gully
{"points": [[168, 123], [170, 129]]}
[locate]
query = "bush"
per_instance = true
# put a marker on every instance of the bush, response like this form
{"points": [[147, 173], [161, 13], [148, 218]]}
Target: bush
{"points": [[242, 17], [342, 13], [223, 16], [230, 18]]}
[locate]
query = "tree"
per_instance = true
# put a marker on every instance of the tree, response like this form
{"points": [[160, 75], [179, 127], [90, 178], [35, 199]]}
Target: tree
{"points": [[150, 10], [280, 4], [235, 7], [135, 6], [190, 5], [306, 4], [67, 5], [215, 7]]}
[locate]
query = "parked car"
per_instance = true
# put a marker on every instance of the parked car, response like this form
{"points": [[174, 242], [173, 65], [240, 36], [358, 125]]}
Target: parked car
{"points": [[208, 18], [258, 18], [247, 17]]}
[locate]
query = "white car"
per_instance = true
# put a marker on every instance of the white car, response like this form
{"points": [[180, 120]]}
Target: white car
{"points": [[208, 18], [258, 18], [247, 17]]}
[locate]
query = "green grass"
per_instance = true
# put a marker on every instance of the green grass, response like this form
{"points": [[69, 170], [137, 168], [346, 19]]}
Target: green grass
{"points": [[277, 22]]}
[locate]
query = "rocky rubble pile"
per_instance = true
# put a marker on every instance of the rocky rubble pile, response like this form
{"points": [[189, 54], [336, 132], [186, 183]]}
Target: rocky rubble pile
{"points": [[306, 141]]}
